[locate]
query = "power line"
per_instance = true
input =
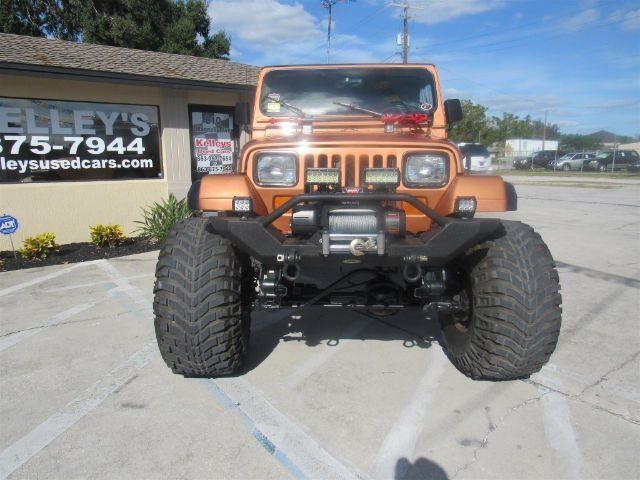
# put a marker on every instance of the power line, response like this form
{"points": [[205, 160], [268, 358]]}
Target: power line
{"points": [[516, 27], [353, 28], [503, 45]]}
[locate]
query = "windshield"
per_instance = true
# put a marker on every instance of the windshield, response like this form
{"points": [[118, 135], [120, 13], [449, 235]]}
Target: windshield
{"points": [[476, 150], [567, 156], [603, 155], [315, 92]]}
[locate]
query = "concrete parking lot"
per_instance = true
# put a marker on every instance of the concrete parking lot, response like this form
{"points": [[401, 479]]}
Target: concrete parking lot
{"points": [[334, 394]]}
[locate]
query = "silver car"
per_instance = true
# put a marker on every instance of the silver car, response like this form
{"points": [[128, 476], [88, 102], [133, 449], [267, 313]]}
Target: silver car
{"points": [[570, 161]]}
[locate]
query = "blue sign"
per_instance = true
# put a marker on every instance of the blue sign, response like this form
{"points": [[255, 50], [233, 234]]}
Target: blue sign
{"points": [[8, 224]]}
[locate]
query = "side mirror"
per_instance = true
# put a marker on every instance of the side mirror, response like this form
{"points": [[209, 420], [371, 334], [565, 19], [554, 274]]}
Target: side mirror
{"points": [[242, 114], [453, 111]]}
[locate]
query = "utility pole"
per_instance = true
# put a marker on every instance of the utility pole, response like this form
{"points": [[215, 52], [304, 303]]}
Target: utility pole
{"points": [[328, 4], [329, 32], [405, 33], [405, 27], [544, 130]]}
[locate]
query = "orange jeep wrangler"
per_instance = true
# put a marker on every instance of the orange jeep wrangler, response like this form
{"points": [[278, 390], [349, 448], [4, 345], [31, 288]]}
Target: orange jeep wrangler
{"points": [[350, 195]]}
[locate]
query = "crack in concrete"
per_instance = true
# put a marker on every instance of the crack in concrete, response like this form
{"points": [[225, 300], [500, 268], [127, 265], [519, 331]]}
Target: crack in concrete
{"points": [[613, 370], [69, 322], [493, 428], [572, 396]]}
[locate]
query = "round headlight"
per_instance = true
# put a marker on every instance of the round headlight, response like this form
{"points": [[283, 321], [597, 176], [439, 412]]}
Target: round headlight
{"points": [[276, 169], [425, 170]]}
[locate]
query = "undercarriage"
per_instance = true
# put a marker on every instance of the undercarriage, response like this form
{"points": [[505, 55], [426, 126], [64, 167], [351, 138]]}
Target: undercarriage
{"points": [[352, 250]]}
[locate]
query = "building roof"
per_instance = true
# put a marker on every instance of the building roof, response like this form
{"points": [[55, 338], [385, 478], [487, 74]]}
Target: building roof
{"points": [[18, 52]]}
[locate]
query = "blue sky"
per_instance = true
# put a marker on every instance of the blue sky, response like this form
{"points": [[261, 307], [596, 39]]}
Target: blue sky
{"points": [[577, 59]]}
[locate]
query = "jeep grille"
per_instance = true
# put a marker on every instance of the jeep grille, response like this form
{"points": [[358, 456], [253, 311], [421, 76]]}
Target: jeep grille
{"points": [[351, 165]]}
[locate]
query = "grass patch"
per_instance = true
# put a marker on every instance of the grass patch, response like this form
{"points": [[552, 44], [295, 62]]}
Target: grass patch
{"points": [[560, 174]]}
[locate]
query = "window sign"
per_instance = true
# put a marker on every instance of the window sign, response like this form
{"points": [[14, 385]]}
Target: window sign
{"points": [[55, 140], [212, 140]]}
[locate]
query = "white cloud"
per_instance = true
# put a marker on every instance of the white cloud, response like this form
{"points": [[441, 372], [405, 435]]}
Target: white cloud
{"points": [[265, 23], [566, 123], [583, 19], [522, 104], [436, 11], [630, 19]]}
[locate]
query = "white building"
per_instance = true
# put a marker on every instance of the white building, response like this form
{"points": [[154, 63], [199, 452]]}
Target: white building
{"points": [[521, 146]]}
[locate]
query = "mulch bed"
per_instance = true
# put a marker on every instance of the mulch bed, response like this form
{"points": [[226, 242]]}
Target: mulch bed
{"points": [[76, 252]]}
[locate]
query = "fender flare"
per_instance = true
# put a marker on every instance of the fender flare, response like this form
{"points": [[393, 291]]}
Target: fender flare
{"points": [[215, 193]]}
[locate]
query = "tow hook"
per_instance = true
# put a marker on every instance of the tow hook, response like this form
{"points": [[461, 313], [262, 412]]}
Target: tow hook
{"points": [[358, 246]]}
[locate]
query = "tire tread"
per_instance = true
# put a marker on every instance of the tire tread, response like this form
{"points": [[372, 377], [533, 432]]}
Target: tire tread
{"points": [[200, 323], [516, 306]]}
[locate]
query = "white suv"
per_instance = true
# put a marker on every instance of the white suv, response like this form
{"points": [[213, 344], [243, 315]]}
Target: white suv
{"points": [[476, 157]]}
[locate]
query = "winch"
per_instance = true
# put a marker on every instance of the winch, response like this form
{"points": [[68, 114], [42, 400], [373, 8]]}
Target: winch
{"points": [[348, 229]]}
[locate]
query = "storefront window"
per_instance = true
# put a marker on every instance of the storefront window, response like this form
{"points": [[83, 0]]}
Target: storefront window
{"points": [[213, 140], [55, 140]]}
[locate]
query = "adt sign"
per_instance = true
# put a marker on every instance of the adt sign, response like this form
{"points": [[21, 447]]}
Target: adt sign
{"points": [[8, 224]]}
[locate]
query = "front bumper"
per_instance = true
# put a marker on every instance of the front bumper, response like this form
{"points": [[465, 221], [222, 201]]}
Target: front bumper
{"points": [[445, 240]]}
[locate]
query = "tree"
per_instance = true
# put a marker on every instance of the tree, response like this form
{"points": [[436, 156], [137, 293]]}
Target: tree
{"points": [[171, 26], [474, 125]]}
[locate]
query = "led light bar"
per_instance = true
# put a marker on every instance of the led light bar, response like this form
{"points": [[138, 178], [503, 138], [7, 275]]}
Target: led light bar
{"points": [[242, 204], [466, 207], [323, 176], [382, 176]]}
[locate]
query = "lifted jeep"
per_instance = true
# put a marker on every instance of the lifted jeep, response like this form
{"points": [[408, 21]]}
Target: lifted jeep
{"points": [[349, 194]]}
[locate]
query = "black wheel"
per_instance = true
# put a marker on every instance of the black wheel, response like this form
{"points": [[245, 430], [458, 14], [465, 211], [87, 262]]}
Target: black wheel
{"points": [[602, 167], [511, 288], [201, 304], [566, 167]]}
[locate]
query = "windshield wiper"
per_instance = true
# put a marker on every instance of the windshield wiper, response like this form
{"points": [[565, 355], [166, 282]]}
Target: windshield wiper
{"points": [[359, 109], [293, 108]]}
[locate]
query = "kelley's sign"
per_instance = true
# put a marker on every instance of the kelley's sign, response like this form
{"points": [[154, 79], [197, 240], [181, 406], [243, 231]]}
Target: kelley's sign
{"points": [[54, 140]]}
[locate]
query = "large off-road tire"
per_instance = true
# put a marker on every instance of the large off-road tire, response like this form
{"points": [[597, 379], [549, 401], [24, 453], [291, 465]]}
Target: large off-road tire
{"points": [[511, 286], [202, 316]]}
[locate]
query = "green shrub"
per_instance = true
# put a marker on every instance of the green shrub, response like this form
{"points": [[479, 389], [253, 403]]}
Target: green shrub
{"points": [[39, 246], [107, 235], [157, 219]]}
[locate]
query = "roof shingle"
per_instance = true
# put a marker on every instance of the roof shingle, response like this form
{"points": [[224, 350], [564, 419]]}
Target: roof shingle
{"points": [[43, 52]]}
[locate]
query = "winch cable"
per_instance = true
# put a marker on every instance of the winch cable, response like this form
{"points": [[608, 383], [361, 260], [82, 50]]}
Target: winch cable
{"points": [[367, 314], [325, 291]]}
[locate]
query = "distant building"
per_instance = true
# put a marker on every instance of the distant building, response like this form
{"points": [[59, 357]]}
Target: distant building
{"points": [[630, 146], [518, 147]]}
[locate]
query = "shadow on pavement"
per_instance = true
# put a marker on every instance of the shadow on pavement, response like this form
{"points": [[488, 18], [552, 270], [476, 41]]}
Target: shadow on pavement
{"points": [[422, 469], [410, 328]]}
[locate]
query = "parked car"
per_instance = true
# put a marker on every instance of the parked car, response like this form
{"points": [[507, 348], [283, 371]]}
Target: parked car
{"points": [[634, 167], [613, 160], [476, 157], [570, 161], [540, 159]]}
